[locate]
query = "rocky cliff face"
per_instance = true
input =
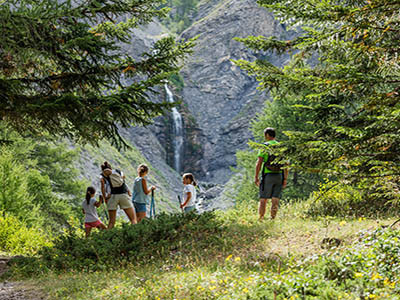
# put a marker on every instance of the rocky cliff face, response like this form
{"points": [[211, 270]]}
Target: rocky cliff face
{"points": [[218, 98], [221, 97]]}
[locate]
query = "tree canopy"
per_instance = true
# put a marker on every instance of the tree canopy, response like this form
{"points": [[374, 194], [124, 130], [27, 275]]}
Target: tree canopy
{"points": [[345, 74], [64, 70]]}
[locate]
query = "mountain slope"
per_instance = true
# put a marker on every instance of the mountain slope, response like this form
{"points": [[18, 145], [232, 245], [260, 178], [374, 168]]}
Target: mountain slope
{"points": [[222, 97]]}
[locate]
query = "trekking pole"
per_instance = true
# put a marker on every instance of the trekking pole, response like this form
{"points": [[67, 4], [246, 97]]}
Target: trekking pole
{"points": [[180, 203], [152, 206]]}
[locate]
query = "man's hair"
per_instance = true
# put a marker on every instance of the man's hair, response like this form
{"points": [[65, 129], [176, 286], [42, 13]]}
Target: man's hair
{"points": [[270, 131]]}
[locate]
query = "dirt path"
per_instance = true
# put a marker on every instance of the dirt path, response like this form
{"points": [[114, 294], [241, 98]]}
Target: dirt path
{"points": [[16, 290]]}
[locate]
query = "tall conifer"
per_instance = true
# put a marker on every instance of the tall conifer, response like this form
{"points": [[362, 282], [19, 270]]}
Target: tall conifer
{"points": [[345, 73], [64, 70]]}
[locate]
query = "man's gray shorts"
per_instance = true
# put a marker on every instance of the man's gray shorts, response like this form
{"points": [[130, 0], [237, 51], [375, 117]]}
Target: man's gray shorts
{"points": [[272, 186]]}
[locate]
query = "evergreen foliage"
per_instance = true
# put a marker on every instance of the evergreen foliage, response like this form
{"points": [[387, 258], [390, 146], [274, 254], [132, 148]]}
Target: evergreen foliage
{"points": [[39, 184], [344, 75], [14, 193], [282, 115], [181, 14], [64, 70]]}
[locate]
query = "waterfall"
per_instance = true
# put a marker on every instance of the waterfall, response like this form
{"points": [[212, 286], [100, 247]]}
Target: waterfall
{"points": [[177, 132]]}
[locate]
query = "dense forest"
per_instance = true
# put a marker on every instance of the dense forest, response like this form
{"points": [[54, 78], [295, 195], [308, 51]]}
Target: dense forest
{"points": [[69, 88]]}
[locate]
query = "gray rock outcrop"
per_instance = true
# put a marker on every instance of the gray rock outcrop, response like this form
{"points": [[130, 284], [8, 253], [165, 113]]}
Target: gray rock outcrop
{"points": [[222, 97]]}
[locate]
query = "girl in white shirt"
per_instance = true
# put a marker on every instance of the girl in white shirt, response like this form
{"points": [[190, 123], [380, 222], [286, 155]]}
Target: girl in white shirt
{"points": [[189, 192], [89, 208]]}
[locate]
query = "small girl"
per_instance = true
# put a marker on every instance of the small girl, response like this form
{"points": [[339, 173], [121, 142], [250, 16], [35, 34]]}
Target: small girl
{"points": [[89, 207], [189, 192], [140, 192]]}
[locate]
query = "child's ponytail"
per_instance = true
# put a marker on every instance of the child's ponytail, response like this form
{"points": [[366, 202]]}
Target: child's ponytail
{"points": [[142, 169], [190, 177], [89, 192]]}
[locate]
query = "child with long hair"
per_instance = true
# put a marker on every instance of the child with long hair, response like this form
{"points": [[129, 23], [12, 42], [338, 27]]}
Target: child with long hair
{"points": [[189, 192], [89, 207], [140, 192]]}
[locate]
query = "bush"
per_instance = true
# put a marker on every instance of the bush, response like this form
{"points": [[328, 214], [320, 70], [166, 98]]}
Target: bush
{"points": [[342, 200], [16, 238], [368, 270], [131, 244]]}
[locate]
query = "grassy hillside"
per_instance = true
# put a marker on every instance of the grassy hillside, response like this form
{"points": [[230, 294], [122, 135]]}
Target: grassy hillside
{"points": [[231, 255]]}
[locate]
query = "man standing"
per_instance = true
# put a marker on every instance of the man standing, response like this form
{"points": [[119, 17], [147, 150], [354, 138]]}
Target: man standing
{"points": [[273, 178]]}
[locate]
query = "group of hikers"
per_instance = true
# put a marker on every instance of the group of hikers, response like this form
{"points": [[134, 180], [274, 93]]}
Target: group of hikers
{"points": [[115, 193]]}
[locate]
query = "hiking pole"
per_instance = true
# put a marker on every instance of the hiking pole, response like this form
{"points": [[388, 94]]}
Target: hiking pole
{"points": [[180, 203], [152, 206]]}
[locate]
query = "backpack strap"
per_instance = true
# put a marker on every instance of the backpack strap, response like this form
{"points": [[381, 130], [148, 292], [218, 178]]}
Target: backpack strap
{"points": [[106, 179], [263, 174]]}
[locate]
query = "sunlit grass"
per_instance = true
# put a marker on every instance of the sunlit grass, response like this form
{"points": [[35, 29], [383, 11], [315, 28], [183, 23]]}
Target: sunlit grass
{"points": [[250, 251]]}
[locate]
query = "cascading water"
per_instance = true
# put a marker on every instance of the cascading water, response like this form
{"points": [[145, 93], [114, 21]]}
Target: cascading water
{"points": [[177, 131]]}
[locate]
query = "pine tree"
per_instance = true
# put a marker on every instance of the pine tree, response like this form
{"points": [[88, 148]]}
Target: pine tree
{"points": [[345, 66], [64, 70]]}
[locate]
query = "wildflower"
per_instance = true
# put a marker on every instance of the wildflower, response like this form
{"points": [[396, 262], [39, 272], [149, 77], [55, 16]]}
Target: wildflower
{"points": [[343, 223], [228, 258], [358, 275], [372, 296], [376, 276], [245, 290], [237, 258], [212, 288], [388, 283], [200, 288]]}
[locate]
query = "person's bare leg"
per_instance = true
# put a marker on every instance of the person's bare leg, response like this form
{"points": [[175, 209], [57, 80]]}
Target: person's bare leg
{"points": [[113, 216], [140, 216], [102, 226], [274, 207], [261, 208], [87, 231], [130, 212]]}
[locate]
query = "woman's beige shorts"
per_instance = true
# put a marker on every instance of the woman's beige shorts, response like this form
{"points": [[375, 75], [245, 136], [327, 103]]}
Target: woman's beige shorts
{"points": [[121, 200]]}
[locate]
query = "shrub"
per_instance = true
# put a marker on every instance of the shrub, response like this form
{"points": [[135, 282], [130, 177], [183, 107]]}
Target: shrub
{"points": [[368, 270], [131, 244], [341, 200], [17, 238]]}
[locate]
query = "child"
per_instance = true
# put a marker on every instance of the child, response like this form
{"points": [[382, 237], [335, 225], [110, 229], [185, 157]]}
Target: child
{"points": [[89, 209], [189, 192], [140, 192]]}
